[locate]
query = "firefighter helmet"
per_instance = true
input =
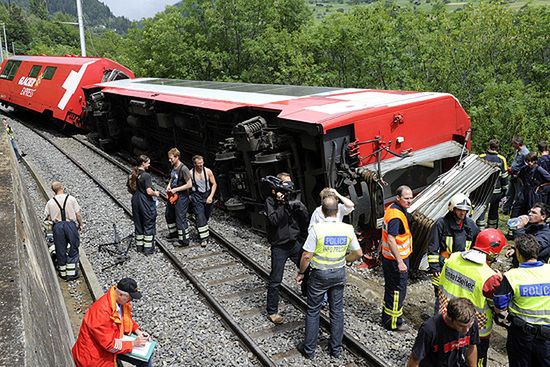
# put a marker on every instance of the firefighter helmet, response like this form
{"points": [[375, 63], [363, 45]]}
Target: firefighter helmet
{"points": [[460, 201], [491, 241]]}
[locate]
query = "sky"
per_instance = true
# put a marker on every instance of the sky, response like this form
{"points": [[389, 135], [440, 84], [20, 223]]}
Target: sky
{"points": [[137, 9]]}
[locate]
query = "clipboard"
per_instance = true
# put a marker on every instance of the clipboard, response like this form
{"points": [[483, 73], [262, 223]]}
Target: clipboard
{"points": [[140, 353]]}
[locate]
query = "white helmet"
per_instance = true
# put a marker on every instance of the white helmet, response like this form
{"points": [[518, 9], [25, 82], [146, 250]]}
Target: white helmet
{"points": [[460, 201]]}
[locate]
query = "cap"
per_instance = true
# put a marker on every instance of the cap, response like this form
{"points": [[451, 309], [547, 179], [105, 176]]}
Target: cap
{"points": [[129, 285]]}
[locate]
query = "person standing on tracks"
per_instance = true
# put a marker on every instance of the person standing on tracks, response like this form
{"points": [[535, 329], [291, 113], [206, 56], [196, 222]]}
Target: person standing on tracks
{"points": [[525, 292], [501, 185], [63, 210], [448, 340], [144, 207], [178, 199], [345, 207], [202, 196], [11, 136], [454, 232], [468, 274], [512, 205], [286, 227], [100, 340], [325, 251], [396, 249]]}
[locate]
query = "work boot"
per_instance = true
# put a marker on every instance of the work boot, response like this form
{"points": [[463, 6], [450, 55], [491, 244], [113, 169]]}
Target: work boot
{"points": [[276, 318], [181, 243], [171, 236]]}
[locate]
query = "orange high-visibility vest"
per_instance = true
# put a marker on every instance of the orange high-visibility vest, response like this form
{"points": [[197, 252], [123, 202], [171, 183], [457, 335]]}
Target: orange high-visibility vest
{"points": [[404, 241]]}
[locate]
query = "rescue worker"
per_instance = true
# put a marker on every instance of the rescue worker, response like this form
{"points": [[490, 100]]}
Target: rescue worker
{"points": [[501, 185], [544, 157], [535, 224], [450, 339], [11, 136], [525, 292], [536, 183], [144, 207], [396, 249], [99, 342], [178, 200], [468, 274], [514, 195], [325, 250], [63, 210], [286, 227], [453, 232], [202, 196], [345, 207]]}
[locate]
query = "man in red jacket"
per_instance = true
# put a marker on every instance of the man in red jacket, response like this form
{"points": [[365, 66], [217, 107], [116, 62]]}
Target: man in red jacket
{"points": [[107, 320]]}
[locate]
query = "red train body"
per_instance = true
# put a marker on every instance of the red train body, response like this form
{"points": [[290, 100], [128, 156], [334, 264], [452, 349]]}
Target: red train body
{"points": [[54, 85]]}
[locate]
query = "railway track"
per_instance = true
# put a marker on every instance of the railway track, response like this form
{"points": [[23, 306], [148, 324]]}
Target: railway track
{"points": [[223, 274]]}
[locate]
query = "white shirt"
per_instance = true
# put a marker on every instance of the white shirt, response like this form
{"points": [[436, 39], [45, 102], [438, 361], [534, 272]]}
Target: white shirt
{"points": [[311, 241], [318, 217]]}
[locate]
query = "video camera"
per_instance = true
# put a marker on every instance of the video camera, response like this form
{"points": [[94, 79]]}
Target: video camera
{"points": [[286, 188]]}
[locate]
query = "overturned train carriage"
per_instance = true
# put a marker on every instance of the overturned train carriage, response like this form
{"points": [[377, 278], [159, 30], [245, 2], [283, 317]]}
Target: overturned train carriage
{"points": [[364, 143]]}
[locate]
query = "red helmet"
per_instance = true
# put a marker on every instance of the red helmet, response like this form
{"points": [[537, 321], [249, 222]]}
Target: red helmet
{"points": [[491, 241]]}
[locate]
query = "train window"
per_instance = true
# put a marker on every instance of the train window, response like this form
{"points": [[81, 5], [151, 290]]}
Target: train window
{"points": [[49, 72], [35, 70], [10, 70]]}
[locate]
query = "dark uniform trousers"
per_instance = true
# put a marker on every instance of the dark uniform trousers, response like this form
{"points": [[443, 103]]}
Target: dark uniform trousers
{"points": [[176, 217], [527, 347], [64, 233], [395, 290], [144, 211], [202, 212], [279, 255]]}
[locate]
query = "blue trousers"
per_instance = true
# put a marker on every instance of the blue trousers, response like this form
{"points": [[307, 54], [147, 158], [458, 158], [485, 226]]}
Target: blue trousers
{"points": [[395, 290], [176, 217], [321, 282], [65, 232], [526, 350]]}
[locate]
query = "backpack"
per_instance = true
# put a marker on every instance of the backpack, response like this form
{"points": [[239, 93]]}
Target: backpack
{"points": [[131, 183]]}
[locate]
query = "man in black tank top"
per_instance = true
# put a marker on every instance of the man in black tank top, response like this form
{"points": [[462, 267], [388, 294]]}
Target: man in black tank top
{"points": [[178, 188], [202, 196]]}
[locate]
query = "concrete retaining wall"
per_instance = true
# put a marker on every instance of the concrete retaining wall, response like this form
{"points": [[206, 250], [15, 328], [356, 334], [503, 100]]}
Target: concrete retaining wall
{"points": [[34, 326]]}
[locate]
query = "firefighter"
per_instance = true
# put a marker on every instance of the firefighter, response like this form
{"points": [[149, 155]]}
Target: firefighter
{"points": [[396, 249], [178, 200], [544, 157], [468, 274], [11, 136], [453, 232], [202, 196], [144, 208], [63, 210], [525, 292], [501, 185], [514, 196]]}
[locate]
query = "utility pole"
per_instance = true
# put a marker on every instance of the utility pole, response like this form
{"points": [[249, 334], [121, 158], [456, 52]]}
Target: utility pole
{"points": [[1, 49], [81, 28], [13, 48], [5, 39]]}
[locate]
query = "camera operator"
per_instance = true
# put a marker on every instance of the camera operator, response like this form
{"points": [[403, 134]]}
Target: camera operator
{"points": [[287, 220]]}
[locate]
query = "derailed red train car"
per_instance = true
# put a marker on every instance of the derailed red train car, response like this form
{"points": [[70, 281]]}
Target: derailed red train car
{"points": [[365, 143], [54, 85]]}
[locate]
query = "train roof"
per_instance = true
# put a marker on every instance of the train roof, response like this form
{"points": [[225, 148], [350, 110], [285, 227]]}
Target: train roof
{"points": [[62, 60], [299, 103]]}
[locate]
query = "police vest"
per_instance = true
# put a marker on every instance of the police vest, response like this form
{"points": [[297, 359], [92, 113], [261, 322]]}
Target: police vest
{"points": [[404, 241], [333, 240], [464, 278], [531, 301]]}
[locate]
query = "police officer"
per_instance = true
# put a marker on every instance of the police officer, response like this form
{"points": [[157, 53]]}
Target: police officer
{"points": [[525, 291], [468, 274], [453, 232], [63, 210], [202, 196], [396, 249], [501, 185], [144, 208], [325, 251], [178, 199]]}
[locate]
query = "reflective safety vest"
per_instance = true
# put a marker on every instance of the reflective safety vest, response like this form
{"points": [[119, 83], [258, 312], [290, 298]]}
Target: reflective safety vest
{"points": [[465, 278], [333, 240], [404, 241], [531, 301]]}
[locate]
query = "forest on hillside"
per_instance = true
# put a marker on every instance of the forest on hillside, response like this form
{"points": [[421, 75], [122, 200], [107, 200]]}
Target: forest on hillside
{"points": [[494, 59]]}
